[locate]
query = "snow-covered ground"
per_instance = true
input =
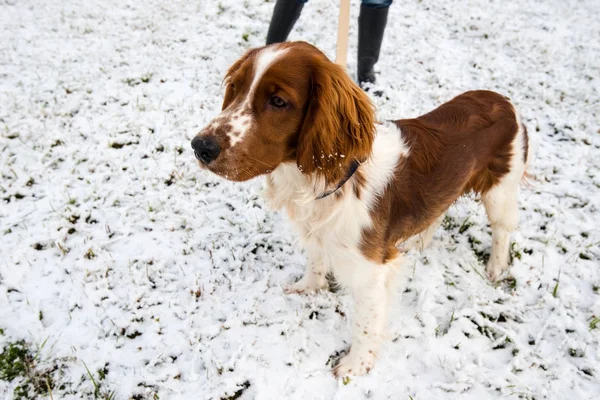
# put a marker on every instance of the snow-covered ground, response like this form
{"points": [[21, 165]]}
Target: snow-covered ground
{"points": [[117, 254]]}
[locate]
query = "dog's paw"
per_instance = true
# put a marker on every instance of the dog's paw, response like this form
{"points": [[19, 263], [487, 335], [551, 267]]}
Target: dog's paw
{"points": [[494, 270], [305, 286], [357, 362]]}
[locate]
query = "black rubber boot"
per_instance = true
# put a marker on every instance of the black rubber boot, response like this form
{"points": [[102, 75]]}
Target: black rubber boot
{"points": [[285, 15], [371, 25]]}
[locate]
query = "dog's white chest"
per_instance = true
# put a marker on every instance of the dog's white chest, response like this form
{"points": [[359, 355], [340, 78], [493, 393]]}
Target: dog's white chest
{"points": [[332, 221]]}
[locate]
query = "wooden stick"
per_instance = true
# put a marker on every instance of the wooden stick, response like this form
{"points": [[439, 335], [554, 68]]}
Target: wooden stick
{"points": [[342, 35]]}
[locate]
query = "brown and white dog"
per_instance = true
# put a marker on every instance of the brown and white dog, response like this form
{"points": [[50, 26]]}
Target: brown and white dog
{"points": [[361, 192]]}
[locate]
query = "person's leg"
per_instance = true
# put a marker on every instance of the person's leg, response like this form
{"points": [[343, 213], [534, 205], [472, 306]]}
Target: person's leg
{"points": [[371, 26], [285, 15]]}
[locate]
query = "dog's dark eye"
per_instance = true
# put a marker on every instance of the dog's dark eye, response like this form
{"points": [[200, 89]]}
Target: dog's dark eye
{"points": [[277, 102]]}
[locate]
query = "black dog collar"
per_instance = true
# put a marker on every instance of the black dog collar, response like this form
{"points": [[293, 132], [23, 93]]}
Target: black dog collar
{"points": [[351, 170]]}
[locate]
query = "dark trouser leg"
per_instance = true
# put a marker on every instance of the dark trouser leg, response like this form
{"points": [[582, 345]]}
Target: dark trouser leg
{"points": [[371, 26], [285, 15]]}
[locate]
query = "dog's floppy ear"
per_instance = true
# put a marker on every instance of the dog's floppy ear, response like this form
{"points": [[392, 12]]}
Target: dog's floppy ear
{"points": [[338, 126], [229, 87]]}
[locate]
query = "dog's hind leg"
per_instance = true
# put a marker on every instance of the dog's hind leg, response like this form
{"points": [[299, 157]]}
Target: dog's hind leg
{"points": [[502, 207]]}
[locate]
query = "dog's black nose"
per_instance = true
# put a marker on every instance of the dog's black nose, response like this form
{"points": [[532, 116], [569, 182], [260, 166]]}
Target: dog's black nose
{"points": [[206, 149]]}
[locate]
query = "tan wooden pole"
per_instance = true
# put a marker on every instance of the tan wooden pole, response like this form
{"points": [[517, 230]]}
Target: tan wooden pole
{"points": [[342, 35]]}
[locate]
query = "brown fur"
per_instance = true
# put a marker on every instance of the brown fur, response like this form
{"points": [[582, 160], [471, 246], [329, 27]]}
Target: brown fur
{"points": [[462, 146], [329, 122], [241, 67], [525, 144], [339, 123]]}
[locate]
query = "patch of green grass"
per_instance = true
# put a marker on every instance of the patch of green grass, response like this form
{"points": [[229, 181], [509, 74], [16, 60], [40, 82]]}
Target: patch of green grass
{"points": [[481, 255], [504, 344], [555, 291], [514, 251], [239, 392], [14, 360], [594, 322], [63, 249], [136, 81], [18, 362], [512, 282], [488, 316], [89, 254], [486, 330], [39, 246], [100, 392], [131, 81], [134, 334], [508, 283], [102, 373], [465, 225], [449, 224], [146, 77], [562, 249], [576, 352]]}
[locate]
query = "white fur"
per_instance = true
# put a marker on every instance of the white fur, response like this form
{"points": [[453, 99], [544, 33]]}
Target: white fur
{"points": [[264, 61], [331, 239], [240, 118], [240, 123]]}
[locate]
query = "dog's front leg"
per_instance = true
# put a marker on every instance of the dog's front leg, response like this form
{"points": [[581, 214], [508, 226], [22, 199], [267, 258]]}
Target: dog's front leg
{"points": [[371, 291], [315, 275]]}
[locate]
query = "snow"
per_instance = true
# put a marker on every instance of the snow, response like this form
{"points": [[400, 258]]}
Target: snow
{"points": [[121, 254]]}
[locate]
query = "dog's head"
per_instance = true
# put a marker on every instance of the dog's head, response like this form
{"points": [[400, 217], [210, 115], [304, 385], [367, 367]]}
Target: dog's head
{"points": [[287, 102]]}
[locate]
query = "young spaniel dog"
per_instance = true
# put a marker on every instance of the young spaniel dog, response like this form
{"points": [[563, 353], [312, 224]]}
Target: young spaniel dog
{"points": [[360, 192]]}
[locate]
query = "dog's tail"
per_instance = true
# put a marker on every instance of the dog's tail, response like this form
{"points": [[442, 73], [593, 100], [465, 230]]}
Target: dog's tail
{"points": [[527, 178]]}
